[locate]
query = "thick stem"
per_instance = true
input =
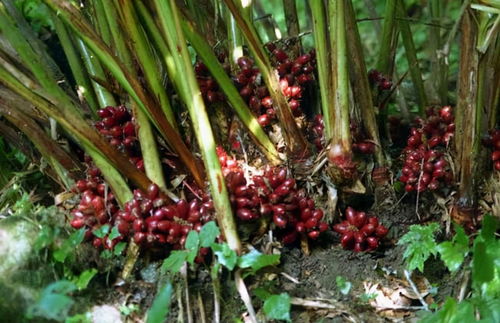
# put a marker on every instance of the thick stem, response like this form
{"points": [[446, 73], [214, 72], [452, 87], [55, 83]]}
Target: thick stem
{"points": [[94, 68], [411, 56], [83, 83], [323, 61], [292, 25]]}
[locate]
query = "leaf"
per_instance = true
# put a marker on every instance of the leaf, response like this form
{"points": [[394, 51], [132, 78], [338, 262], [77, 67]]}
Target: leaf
{"points": [[174, 262], [102, 231], [226, 256], [454, 252], [343, 285], [261, 293], [106, 254], [53, 303], [208, 233], [69, 245], [114, 233], [277, 307], [420, 245], [161, 305], [192, 245], [84, 279], [120, 246], [257, 260]]}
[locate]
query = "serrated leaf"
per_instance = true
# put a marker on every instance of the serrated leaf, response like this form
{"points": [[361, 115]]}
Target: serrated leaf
{"points": [[192, 245], [114, 233], [343, 285], [174, 262], [161, 305], [225, 255], [102, 231], [84, 278], [69, 245], [420, 245], [454, 252], [277, 307], [208, 233], [257, 260]]}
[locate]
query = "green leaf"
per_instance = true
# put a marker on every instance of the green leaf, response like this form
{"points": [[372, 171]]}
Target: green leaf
{"points": [[161, 305], [84, 279], [261, 293], [257, 260], [106, 254], [192, 245], [114, 233], [226, 256], [102, 231], [69, 245], [454, 252], [45, 237], [343, 285], [80, 318], [120, 246], [208, 233], [420, 245], [174, 262], [277, 307], [53, 303]]}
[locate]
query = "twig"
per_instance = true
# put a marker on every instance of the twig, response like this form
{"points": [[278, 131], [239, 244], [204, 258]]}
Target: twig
{"points": [[185, 286], [216, 288], [415, 290], [202, 308], [464, 286], [180, 316], [292, 279], [245, 297]]}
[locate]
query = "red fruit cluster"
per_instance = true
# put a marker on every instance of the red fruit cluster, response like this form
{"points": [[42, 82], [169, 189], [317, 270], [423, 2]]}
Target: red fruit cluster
{"points": [[493, 141], [425, 166], [208, 86], [378, 79], [360, 232], [360, 144], [96, 208], [316, 131], [275, 195], [152, 223], [118, 126]]}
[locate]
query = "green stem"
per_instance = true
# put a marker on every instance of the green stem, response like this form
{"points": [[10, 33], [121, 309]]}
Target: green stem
{"points": [[84, 134], [342, 126], [246, 116], [295, 141], [101, 22], [73, 18], [411, 56], [144, 56], [234, 40], [172, 31], [95, 70], [323, 62], [385, 63], [83, 83]]}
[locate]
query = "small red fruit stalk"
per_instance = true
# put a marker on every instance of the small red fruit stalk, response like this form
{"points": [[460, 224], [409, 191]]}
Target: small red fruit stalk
{"points": [[360, 232]]}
